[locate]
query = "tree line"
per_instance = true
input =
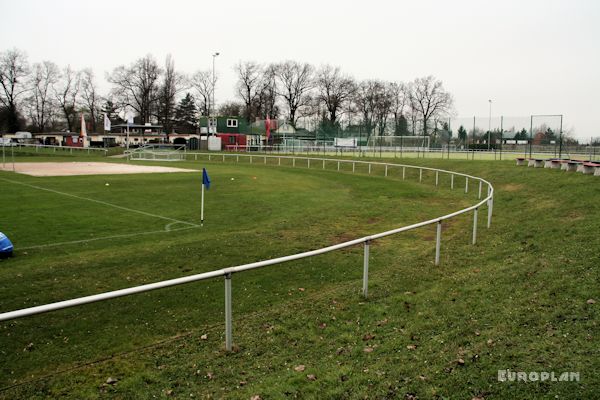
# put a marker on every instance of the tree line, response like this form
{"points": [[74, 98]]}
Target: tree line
{"points": [[44, 97]]}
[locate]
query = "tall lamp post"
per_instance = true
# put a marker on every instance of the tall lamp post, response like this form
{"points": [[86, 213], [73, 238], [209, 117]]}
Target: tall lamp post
{"points": [[212, 110], [490, 125]]}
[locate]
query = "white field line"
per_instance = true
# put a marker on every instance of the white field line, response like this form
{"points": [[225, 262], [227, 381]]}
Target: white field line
{"points": [[166, 229], [102, 202], [125, 235]]}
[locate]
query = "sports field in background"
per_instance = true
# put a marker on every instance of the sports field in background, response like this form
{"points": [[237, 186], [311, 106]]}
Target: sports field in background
{"points": [[517, 300]]}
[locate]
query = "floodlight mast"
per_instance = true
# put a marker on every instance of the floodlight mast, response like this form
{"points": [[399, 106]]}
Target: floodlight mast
{"points": [[489, 125], [212, 110]]}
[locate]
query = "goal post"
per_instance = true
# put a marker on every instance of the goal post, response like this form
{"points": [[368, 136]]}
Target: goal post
{"points": [[158, 152], [404, 143]]}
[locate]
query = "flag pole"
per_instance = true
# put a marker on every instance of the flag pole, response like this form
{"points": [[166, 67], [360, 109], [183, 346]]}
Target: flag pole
{"points": [[202, 207]]}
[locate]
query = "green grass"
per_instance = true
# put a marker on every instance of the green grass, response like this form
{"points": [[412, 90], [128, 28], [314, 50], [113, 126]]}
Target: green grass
{"points": [[516, 300]]}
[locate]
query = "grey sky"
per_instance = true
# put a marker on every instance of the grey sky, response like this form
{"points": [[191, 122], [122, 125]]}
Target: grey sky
{"points": [[529, 57]]}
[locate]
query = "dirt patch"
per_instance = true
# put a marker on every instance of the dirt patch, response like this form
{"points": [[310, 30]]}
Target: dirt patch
{"points": [[511, 187], [87, 168]]}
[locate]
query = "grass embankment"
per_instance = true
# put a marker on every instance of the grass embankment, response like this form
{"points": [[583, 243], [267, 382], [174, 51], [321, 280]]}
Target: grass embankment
{"points": [[517, 300]]}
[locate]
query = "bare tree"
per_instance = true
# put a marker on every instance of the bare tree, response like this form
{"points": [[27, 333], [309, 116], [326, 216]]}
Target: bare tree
{"points": [[265, 102], [90, 96], [365, 101], [249, 85], [294, 82], [136, 86], [334, 90], [400, 94], [172, 84], [231, 109], [13, 71], [203, 83], [41, 105], [430, 100], [66, 93], [383, 106]]}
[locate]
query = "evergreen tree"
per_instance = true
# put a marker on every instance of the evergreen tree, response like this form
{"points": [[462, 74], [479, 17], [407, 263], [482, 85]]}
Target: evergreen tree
{"points": [[462, 134], [186, 112]]}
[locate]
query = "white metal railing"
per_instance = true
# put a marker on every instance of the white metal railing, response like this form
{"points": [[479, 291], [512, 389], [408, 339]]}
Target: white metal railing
{"points": [[228, 272]]}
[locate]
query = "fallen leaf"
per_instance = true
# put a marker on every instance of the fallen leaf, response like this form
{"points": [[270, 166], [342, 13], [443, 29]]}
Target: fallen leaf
{"points": [[256, 397], [490, 342], [368, 337], [209, 375], [301, 289], [242, 383], [460, 361], [323, 325], [112, 381], [382, 322], [204, 337], [300, 368], [591, 301], [477, 333], [368, 349], [311, 377], [422, 377], [412, 347]]}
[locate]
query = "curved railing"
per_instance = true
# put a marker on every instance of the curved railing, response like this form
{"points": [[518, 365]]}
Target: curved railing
{"points": [[228, 272]]}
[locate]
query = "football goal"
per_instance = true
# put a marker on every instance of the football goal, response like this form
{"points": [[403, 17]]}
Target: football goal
{"points": [[158, 152]]}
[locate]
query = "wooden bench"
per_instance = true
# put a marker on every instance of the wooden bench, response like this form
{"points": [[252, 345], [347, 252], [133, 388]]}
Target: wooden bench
{"points": [[571, 165], [589, 168], [557, 163], [538, 163], [521, 161]]}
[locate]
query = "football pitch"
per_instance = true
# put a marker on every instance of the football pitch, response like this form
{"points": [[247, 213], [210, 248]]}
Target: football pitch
{"points": [[516, 300]]}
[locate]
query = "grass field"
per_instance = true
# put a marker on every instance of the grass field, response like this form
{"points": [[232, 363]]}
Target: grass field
{"points": [[517, 300]]}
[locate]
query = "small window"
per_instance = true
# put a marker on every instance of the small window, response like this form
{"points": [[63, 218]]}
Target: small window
{"points": [[232, 123]]}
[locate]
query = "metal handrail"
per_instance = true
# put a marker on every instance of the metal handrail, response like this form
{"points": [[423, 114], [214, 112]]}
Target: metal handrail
{"points": [[228, 272]]}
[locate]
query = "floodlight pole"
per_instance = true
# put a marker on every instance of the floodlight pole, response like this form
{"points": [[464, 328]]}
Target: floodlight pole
{"points": [[530, 135], [213, 85], [490, 125], [560, 136]]}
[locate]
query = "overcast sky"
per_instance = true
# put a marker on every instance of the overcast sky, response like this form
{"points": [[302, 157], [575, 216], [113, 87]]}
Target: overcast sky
{"points": [[529, 57]]}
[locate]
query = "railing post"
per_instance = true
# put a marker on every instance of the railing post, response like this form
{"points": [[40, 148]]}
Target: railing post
{"points": [[420, 174], [452, 181], [309, 163], [353, 167], [490, 207], [479, 197], [366, 270], [466, 185], [279, 161], [265, 159], [338, 165], [228, 316], [323, 164], [438, 242], [237, 158], [209, 157], [475, 226], [223, 157], [250, 159], [369, 168], [386, 167], [436, 177], [293, 162], [403, 173]]}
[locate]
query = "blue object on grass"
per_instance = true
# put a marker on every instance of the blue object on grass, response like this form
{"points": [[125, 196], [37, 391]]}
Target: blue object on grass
{"points": [[6, 247]]}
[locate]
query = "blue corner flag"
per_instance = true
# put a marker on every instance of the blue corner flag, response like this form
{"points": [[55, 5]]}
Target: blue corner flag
{"points": [[205, 178]]}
